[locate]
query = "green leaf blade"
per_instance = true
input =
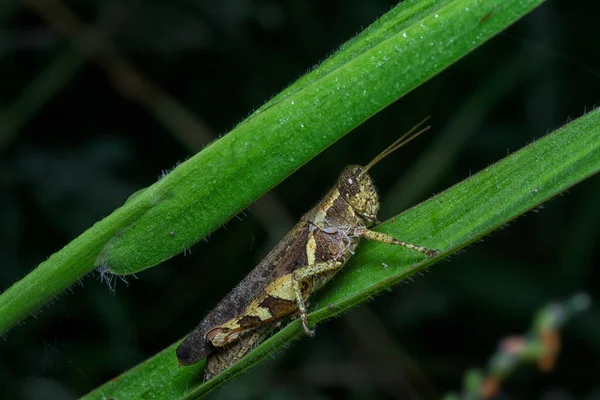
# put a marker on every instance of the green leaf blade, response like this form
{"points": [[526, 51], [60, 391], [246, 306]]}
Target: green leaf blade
{"points": [[364, 77]]}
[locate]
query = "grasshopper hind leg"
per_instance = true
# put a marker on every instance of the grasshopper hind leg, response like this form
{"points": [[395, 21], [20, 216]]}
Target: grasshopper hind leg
{"points": [[306, 280], [300, 287]]}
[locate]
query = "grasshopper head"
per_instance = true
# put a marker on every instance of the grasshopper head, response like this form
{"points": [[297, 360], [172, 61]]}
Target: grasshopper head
{"points": [[356, 186]]}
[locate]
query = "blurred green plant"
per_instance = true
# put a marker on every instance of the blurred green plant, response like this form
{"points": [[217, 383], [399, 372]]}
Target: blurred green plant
{"points": [[404, 48], [449, 221], [541, 346]]}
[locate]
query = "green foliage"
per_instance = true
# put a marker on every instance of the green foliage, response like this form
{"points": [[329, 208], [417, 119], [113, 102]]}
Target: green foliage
{"points": [[410, 44]]}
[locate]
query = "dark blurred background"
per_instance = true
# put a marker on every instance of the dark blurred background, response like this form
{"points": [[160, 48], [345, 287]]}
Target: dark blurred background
{"points": [[99, 97]]}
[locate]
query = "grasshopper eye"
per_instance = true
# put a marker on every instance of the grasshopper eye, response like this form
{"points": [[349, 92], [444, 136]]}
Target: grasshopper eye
{"points": [[351, 179]]}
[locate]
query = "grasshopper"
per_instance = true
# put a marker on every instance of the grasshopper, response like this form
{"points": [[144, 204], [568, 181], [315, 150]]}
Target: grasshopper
{"points": [[301, 263]]}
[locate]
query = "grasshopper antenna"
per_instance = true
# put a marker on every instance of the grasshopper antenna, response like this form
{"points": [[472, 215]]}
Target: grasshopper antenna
{"points": [[404, 139]]}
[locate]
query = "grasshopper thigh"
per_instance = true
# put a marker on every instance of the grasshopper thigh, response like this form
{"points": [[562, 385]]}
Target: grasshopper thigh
{"points": [[279, 299], [308, 279]]}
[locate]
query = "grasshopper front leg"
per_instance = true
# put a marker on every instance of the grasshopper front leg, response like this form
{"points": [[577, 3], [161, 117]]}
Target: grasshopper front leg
{"points": [[385, 238], [307, 279]]}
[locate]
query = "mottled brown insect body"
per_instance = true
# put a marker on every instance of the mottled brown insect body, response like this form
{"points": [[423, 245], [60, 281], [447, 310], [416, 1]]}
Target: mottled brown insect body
{"points": [[228, 355], [306, 258]]}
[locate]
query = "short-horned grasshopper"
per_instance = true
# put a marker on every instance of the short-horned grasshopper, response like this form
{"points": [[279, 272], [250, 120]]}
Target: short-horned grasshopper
{"points": [[305, 259]]}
